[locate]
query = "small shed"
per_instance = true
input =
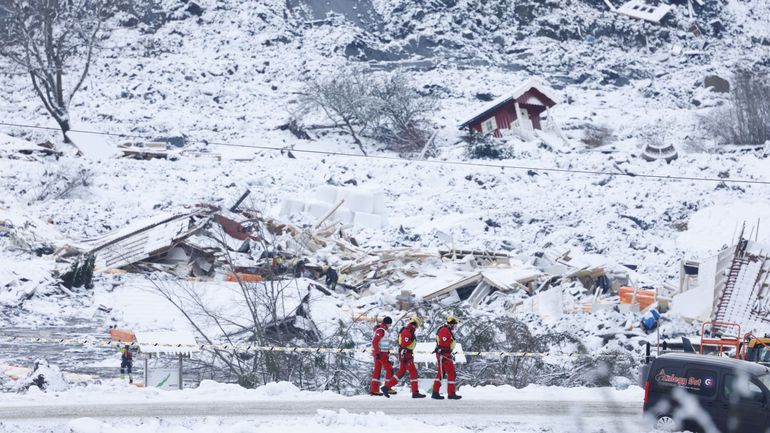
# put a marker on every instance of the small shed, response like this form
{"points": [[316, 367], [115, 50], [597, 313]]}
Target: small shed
{"points": [[163, 353], [520, 109]]}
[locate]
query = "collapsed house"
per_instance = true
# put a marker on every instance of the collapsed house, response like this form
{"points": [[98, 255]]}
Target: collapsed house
{"points": [[519, 111], [732, 286]]}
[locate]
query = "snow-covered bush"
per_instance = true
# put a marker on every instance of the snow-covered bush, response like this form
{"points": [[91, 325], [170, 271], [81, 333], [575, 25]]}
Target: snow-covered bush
{"points": [[486, 147], [60, 181], [597, 136]]}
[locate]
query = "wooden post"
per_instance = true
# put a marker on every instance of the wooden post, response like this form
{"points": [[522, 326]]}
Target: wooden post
{"points": [[145, 369], [331, 212], [180, 371], [518, 114]]}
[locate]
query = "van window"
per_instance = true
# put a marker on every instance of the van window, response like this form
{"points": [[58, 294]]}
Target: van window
{"points": [[701, 381], [742, 388]]}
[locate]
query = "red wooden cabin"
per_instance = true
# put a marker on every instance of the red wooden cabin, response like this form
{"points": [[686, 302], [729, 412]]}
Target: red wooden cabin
{"points": [[520, 109]]}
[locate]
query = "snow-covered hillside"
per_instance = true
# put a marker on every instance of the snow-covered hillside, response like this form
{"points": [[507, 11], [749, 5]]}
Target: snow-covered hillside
{"points": [[228, 73]]}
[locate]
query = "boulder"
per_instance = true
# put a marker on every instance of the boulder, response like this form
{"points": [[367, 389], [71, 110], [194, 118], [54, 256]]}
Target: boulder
{"points": [[716, 84]]}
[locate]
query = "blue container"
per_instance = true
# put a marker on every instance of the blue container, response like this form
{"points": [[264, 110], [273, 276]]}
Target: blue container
{"points": [[650, 320]]}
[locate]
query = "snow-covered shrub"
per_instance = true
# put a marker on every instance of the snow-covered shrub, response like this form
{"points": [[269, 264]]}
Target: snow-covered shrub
{"points": [[597, 136], [486, 147], [60, 181]]}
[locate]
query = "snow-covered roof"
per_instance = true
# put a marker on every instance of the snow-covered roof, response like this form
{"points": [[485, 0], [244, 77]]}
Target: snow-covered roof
{"points": [[501, 278], [513, 95], [642, 10], [141, 239], [167, 342]]}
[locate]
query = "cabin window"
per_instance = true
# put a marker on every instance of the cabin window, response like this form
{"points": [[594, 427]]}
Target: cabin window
{"points": [[488, 125]]}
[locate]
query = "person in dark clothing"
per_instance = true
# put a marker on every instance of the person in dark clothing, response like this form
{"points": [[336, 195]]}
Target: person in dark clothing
{"points": [[126, 363], [300, 270], [331, 278]]}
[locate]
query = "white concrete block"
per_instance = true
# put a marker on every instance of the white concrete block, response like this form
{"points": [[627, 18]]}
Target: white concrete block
{"points": [[360, 201], [327, 194], [344, 215], [318, 209], [291, 205], [367, 220], [378, 198]]}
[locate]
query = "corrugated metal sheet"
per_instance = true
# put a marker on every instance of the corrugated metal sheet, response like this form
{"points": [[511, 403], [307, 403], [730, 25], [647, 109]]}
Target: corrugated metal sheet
{"points": [[143, 240]]}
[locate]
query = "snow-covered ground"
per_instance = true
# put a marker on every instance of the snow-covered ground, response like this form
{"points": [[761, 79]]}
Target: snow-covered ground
{"points": [[232, 77], [483, 409]]}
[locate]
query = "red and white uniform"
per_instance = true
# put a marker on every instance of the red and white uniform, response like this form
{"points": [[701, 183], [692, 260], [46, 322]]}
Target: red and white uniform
{"points": [[445, 345], [380, 351], [406, 344]]}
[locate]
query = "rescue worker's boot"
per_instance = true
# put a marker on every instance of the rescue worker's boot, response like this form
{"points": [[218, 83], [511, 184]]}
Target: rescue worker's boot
{"points": [[417, 395], [454, 397], [130, 379], [385, 391], [375, 393], [436, 396], [392, 392]]}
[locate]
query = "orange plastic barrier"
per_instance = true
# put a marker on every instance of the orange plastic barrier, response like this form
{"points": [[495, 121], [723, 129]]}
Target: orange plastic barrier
{"points": [[122, 335], [644, 298], [248, 278]]}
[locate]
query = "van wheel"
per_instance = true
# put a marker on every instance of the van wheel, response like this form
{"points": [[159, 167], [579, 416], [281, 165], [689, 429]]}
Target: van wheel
{"points": [[665, 423]]}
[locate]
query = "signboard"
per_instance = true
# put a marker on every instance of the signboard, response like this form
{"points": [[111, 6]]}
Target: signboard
{"points": [[163, 377]]}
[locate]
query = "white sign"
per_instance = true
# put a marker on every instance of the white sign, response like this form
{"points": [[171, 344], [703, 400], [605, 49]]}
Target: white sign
{"points": [[163, 377]]}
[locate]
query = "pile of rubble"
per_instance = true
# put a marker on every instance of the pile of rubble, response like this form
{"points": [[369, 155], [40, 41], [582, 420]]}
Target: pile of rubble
{"points": [[206, 243]]}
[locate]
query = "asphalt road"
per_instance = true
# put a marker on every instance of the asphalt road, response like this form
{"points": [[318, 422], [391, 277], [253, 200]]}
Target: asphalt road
{"points": [[310, 407]]}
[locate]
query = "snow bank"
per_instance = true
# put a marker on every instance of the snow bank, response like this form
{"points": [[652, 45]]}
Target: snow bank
{"points": [[552, 393], [43, 377], [325, 421], [117, 391]]}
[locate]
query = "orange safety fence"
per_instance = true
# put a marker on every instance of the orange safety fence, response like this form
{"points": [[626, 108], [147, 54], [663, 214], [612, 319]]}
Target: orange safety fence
{"points": [[249, 278]]}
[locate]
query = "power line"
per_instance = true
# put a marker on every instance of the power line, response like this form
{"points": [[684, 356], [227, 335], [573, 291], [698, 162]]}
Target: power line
{"points": [[434, 162]]}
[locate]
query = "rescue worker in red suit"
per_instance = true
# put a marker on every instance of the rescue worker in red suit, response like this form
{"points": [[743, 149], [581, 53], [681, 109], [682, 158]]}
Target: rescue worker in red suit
{"points": [[445, 346], [406, 344], [381, 353]]}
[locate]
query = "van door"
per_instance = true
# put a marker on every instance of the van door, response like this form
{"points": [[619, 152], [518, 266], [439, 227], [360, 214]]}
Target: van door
{"points": [[743, 405], [701, 382]]}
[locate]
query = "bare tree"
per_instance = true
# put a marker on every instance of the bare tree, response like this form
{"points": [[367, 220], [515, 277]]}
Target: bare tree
{"points": [[345, 98], [746, 119], [54, 42], [387, 109], [403, 113], [751, 108]]}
